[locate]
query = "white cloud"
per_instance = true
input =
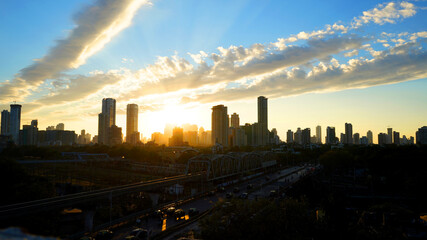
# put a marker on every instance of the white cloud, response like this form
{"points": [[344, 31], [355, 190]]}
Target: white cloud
{"points": [[351, 53], [95, 27], [385, 13]]}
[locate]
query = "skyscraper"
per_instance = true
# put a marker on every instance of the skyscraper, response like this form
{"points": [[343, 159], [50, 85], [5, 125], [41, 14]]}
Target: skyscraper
{"points": [[5, 122], [220, 125], [356, 138], [262, 121], [15, 122], [421, 135], [235, 120], [370, 137], [177, 138], [389, 135], [348, 133], [382, 138], [106, 119], [132, 134], [297, 136], [306, 136], [29, 134], [396, 138], [289, 136], [330, 135], [319, 134]]}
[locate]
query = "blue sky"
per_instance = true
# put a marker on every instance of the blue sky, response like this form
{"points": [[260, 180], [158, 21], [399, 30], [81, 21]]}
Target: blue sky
{"points": [[127, 65]]}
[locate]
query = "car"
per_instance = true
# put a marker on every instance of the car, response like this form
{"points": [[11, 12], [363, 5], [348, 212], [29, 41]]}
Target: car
{"points": [[159, 213], [179, 213], [236, 190], [137, 234], [193, 211], [244, 195], [104, 235], [229, 195], [250, 186], [170, 210]]}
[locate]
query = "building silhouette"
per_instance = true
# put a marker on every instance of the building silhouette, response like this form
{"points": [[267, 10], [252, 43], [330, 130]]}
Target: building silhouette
{"points": [[389, 135], [29, 134], [382, 139], [305, 136], [396, 138], [348, 138], [262, 134], [60, 126], [235, 121], [115, 135], [177, 138], [220, 125], [15, 122], [106, 119], [298, 136], [132, 134], [370, 137], [5, 122], [289, 136], [421, 135], [331, 137], [356, 138], [319, 134]]}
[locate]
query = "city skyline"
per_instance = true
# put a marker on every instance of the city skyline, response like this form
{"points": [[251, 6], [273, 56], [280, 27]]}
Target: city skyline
{"points": [[325, 71]]}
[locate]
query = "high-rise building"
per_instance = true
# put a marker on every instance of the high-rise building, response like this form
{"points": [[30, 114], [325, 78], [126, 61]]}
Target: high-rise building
{"points": [[115, 135], [15, 122], [106, 119], [421, 135], [262, 121], [319, 134], [249, 132], [389, 135], [132, 134], [289, 136], [298, 136], [396, 138], [382, 138], [306, 136], [370, 137], [348, 133], [356, 138], [330, 135], [5, 122], [60, 126], [177, 138], [220, 125], [28, 134], [235, 121]]}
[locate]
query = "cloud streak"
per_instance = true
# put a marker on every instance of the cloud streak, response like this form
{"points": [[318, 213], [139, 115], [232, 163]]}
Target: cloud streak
{"points": [[96, 25]]}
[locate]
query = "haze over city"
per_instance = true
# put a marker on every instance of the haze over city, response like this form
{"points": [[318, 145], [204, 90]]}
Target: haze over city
{"points": [[364, 64]]}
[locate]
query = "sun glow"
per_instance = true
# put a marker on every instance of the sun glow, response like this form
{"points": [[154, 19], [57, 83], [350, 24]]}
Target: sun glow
{"points": [[174, 114]]}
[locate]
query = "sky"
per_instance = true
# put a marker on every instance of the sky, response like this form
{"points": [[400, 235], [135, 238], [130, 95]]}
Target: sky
{"points": [[318, 62]]}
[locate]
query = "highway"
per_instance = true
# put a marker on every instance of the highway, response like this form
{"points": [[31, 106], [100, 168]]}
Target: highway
{"points": [[263, 185], [19, 209]]}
